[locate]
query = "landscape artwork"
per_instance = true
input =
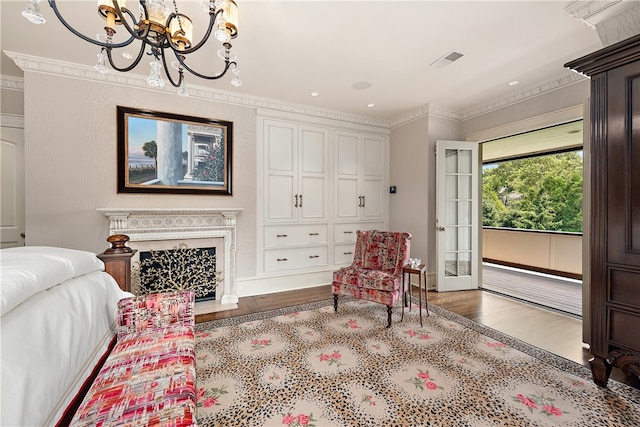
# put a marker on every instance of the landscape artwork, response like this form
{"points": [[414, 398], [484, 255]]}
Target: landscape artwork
{"points": [[169, 153]]}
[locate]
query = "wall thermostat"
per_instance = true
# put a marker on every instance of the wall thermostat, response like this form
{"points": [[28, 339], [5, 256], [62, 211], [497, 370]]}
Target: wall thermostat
{"points": [[392, 189]]}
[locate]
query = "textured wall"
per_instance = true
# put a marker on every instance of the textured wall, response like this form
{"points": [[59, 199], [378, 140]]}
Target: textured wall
{"points": [[71, 143]]}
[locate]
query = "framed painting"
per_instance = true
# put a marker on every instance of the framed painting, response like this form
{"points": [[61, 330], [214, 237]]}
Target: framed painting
{"points": [[169, 153]]}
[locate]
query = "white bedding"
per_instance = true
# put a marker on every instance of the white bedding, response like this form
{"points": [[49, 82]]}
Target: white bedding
{"points": [[53, 338]]}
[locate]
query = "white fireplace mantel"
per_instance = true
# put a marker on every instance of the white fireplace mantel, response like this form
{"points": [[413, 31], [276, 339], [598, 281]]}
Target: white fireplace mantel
{"points": [[179, 224]]}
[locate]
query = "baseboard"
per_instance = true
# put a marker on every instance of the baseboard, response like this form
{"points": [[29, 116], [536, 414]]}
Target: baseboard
{"points": [[251, 286]]}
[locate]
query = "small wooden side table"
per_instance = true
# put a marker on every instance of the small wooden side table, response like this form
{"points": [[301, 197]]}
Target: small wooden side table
{"points": [[421, 271]]}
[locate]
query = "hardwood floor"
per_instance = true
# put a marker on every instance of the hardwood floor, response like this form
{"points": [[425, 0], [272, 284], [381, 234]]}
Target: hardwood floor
{"points": [[554, 332]]}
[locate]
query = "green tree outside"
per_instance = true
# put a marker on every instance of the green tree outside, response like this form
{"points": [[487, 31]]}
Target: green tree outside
{"points": [[537, 193]]}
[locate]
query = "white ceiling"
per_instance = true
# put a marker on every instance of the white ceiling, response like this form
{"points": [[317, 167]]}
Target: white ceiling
{"points": [[287, 49]]}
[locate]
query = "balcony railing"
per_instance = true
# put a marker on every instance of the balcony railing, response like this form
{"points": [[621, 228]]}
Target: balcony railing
{"points": [[553, 252]]}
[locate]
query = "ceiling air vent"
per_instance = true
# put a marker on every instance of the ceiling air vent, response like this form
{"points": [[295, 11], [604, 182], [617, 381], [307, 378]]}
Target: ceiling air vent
{"points": [[447, 59]]}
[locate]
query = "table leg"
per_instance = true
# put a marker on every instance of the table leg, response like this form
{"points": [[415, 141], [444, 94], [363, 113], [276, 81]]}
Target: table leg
{"points": [[420, 297], [404, 298], [426, 293]]}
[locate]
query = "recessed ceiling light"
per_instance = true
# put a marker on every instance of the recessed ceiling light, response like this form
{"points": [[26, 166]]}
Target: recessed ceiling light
{"points": [[371, 105], [314, 94], [513, 83], [127, 55], [361, 85]]}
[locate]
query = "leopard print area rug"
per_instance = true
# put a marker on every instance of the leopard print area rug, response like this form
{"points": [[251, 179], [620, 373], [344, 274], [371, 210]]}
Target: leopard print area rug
{"points": [[308, 366]]}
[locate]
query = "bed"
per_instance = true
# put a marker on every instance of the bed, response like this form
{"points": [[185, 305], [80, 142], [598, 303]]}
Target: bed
{"points": [[59, 310]]}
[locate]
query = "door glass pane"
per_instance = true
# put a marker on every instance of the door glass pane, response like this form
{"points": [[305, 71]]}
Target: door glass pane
{"points": [[451, 187], [450, 264], [451, 161], [464, 163], [464, 187], [464, 264], [451, 212], [451, 238], [464, 238], [464, 213]]}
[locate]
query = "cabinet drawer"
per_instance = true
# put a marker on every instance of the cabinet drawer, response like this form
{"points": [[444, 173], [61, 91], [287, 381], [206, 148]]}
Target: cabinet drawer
{"points": [[291, 259], [346, 232], [294, 235], [343, 254]]}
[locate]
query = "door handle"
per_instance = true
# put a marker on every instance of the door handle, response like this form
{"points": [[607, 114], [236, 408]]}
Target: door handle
{"points": [[441, 228]]}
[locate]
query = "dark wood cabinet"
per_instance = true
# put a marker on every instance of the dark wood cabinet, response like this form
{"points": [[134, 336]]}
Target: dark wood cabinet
{"points": [[614, 238]]}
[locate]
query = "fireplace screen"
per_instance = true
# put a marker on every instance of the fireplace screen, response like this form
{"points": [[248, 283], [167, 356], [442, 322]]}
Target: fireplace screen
{"points": [[179, 269]]}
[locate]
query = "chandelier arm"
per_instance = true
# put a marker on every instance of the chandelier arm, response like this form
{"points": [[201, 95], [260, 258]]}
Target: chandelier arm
{"points": [[127, 42], [166, 71], [213, 16], [131, 66], [215, 76]]}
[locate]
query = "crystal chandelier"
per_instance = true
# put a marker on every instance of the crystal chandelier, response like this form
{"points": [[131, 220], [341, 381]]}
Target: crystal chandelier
{"points": [[161, 30]]}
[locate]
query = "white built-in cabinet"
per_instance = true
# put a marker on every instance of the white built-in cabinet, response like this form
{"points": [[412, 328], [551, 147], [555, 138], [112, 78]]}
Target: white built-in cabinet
{"points": [[319, 186], [360, 176]]}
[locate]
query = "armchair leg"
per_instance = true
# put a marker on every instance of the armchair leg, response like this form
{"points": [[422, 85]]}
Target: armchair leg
{"points": [[389, 316], [335, 303]]}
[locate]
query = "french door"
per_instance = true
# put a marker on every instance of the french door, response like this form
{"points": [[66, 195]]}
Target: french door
{"points": [[457, 220]]}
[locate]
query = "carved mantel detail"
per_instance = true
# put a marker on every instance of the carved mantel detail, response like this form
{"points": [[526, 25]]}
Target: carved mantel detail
{"points": [[149, 225]]}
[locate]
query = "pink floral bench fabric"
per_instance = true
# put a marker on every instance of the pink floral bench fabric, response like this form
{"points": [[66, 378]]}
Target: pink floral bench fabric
{"points": [[376, 271], [149, 377]]}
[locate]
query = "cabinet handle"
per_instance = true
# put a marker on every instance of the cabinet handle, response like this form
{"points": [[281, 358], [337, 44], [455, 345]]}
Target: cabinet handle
{"points": [[296, 205], [364, 201], [348, 232], [281, 235], [281, 259], [348, 253], [314, 256], [300, 201], [359, 201], [314, 234]]}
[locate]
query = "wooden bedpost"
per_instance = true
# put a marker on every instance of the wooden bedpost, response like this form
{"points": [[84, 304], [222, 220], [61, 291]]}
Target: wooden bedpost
{"points": [[117, 260]]}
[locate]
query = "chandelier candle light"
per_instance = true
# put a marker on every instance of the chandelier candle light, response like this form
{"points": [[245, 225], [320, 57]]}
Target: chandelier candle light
{"points": [[161, 30]]}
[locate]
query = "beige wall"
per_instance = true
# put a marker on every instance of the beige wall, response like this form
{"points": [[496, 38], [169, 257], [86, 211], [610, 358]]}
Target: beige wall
{"points": [[413, 164], [70, 137], [409, 173]]}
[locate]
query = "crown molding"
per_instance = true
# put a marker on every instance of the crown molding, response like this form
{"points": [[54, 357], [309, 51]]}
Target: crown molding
{"points": [[67, 69], [541, 89], [593, 12], [11, 83], [84, 72]]}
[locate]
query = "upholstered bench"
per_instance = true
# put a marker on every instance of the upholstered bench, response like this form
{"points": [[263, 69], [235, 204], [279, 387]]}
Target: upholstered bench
{"points": [[149, 377]]}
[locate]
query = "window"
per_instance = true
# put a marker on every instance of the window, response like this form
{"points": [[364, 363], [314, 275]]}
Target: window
{"points": [[541, 191]]}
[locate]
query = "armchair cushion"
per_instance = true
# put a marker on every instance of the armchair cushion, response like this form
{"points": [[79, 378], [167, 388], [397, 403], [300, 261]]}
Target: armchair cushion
{"points": [[365, 278]]}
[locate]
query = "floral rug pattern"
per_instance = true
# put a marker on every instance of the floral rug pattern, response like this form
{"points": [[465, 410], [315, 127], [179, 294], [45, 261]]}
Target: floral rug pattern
{"points": [[308, 366]]}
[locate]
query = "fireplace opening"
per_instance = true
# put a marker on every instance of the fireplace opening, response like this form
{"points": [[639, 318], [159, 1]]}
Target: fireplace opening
{"points": [[178, 269]]}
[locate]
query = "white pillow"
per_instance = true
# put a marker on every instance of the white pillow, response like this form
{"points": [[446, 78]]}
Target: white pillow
{"points": [[27, 270]]}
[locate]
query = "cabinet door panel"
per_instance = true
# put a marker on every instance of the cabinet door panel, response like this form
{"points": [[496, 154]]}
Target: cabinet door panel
{"points": [[623, 155], [373, 156], [280, 198], [281, 150], [347, 199], [346, 154], [373, 197], [311, 202], [313, 146]]}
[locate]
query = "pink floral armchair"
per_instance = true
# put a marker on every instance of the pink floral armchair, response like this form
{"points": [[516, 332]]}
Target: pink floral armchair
{"points": [[376, 272]]}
